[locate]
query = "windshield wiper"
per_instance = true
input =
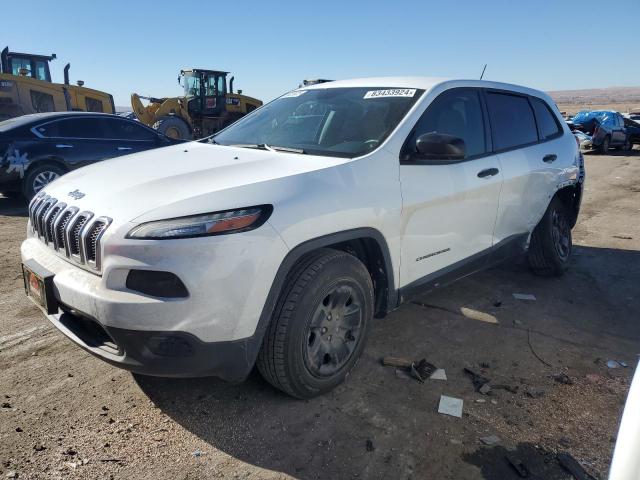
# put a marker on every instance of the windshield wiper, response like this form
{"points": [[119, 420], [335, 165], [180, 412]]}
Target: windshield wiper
{"points": [[270, 148]]}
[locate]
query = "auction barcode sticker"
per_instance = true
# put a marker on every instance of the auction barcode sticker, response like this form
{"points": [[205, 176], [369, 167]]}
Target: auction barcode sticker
{"points": [[394, 92]]}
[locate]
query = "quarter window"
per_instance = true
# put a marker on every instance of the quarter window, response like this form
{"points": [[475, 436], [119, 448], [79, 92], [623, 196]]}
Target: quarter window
{"points": [[512, 121], [457, 113], [547, 123]]}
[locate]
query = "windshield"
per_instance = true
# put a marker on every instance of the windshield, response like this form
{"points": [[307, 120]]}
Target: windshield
{"points": [[344, 122], [191, 86]]}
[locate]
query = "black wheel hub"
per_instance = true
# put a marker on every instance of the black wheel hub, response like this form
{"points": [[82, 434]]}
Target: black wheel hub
{"points": [[561, 233], [334, 331]]}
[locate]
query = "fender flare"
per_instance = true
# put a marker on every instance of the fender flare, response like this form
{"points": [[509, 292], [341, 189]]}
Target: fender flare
{"points": [[254, 343]]}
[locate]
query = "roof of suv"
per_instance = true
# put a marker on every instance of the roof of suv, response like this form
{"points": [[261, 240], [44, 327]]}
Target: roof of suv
{"points": [[424, 83]]}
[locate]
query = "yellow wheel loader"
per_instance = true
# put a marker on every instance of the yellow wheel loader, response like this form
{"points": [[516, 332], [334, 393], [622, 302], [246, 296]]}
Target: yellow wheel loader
{"points": [[206, 107], [26, 87]]}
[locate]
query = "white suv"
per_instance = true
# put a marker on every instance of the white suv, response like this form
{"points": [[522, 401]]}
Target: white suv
{"points": [[278, 239]]}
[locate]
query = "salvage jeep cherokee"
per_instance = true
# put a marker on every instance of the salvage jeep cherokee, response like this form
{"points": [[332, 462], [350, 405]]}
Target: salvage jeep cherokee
{"points": [[276, 241]]}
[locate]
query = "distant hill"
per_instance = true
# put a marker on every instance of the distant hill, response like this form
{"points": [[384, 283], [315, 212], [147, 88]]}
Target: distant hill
{"points": [[597, 95]]}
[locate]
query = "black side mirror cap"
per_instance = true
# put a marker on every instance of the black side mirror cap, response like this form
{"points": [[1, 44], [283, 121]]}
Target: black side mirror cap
{"points": [[440, 146]]}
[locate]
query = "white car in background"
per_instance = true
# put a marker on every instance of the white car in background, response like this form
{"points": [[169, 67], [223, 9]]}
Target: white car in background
{"points": [[279, 239]]}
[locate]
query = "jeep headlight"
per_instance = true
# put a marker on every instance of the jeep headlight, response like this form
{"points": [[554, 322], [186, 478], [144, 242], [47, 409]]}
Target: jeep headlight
{"points": [[207, 224]]}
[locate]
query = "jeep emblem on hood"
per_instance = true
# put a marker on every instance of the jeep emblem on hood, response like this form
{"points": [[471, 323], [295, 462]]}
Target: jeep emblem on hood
{"points": [[76, 194]]}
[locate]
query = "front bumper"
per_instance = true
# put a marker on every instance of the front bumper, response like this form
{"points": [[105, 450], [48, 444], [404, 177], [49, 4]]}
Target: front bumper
{"points": [[159, 353], [213, 331]]}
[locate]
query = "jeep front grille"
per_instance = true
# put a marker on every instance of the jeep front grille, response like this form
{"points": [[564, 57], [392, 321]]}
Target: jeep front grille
{"points": [[69, 232]]}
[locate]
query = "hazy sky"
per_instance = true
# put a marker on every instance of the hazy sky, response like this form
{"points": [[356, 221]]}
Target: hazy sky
{"points": [[140, 46]]}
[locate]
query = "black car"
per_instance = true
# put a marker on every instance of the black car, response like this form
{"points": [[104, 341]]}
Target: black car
{"points": [[36, 149], [633, 130]]}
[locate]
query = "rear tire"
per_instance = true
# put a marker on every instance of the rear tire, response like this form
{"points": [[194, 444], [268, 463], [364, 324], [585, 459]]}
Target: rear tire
{"points": [[551, 244], [173, 127], [628, 146], [319, 326], [39, 177]]}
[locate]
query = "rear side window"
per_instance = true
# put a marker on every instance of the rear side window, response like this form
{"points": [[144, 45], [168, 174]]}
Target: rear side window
{"points": [[547, 123], [124, 130], [512, 121], [456, 112]]}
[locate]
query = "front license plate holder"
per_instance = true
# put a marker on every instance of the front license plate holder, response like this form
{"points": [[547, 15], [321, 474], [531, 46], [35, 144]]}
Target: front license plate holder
{"points": [[38, 285]]}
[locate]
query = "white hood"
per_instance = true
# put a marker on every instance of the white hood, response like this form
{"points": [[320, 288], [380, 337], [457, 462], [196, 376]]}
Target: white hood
{"points": [[180, 180]]}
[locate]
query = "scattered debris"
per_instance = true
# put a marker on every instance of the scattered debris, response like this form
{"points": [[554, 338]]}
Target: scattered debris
{"points": [[111, 460], [615, 364], [563, 378], [397, 362], [439, 374], [450, 406], [481, 400], [18, 429], [12, 474], [6, 405], [454, 441], [370, 446], [524, 296], [198, 453], [572, 466], [478, 315], [508, 388], [38, 447], [517, 464], [70, 451], [517, 322], [405, 368], [490, 440], [623, 237], [71, 465], [422, 370], [477, 379], [534, 392], [497, 304], [484, 389], [494, 402], [534, 352]]}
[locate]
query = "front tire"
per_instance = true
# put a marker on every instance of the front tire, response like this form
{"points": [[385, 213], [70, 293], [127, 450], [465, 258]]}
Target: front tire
{"points": [[173, 127], [551, 243], [319, 326], [604, 148]]}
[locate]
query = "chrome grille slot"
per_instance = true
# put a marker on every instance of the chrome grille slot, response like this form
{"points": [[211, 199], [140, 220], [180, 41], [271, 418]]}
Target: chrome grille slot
{"points": [[61, 227], [45, 206], [73, 235], [92, 240], [49, 219]]}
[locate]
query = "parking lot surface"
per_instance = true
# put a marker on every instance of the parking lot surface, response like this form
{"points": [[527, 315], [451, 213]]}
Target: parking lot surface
{"points": [[66, 414]]}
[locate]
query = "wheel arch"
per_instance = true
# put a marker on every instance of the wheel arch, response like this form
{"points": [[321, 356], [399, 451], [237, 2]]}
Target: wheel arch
{"points": [[571, 196], [39, 162]]}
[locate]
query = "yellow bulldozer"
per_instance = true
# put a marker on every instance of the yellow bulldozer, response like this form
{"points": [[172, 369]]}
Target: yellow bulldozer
{"points": [[26, 87], [208, 105]]}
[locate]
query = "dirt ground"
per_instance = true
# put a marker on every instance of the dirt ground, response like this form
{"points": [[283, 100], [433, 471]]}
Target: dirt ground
{"points": [[66, 414]]}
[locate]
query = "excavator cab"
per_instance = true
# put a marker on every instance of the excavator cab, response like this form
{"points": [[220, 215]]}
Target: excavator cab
{"points": [[205, 92]]}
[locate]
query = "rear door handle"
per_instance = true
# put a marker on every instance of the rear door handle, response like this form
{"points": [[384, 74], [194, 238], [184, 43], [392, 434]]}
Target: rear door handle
{"points": [[125, 148], [64, 145], [488, 172], [549, 158]]}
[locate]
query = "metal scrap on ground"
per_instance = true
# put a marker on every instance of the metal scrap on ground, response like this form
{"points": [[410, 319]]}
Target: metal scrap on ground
{"points": [[450, 406], [524, 296]]}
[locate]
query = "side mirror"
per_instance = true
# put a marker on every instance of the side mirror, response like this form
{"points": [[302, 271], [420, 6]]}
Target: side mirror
{"points": [[440, 146]]}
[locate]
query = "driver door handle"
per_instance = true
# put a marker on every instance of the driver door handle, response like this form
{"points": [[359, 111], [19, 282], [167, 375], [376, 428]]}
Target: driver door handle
{"points": [[124, 148], [64, 145], [488, 172], [549, 158]]}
